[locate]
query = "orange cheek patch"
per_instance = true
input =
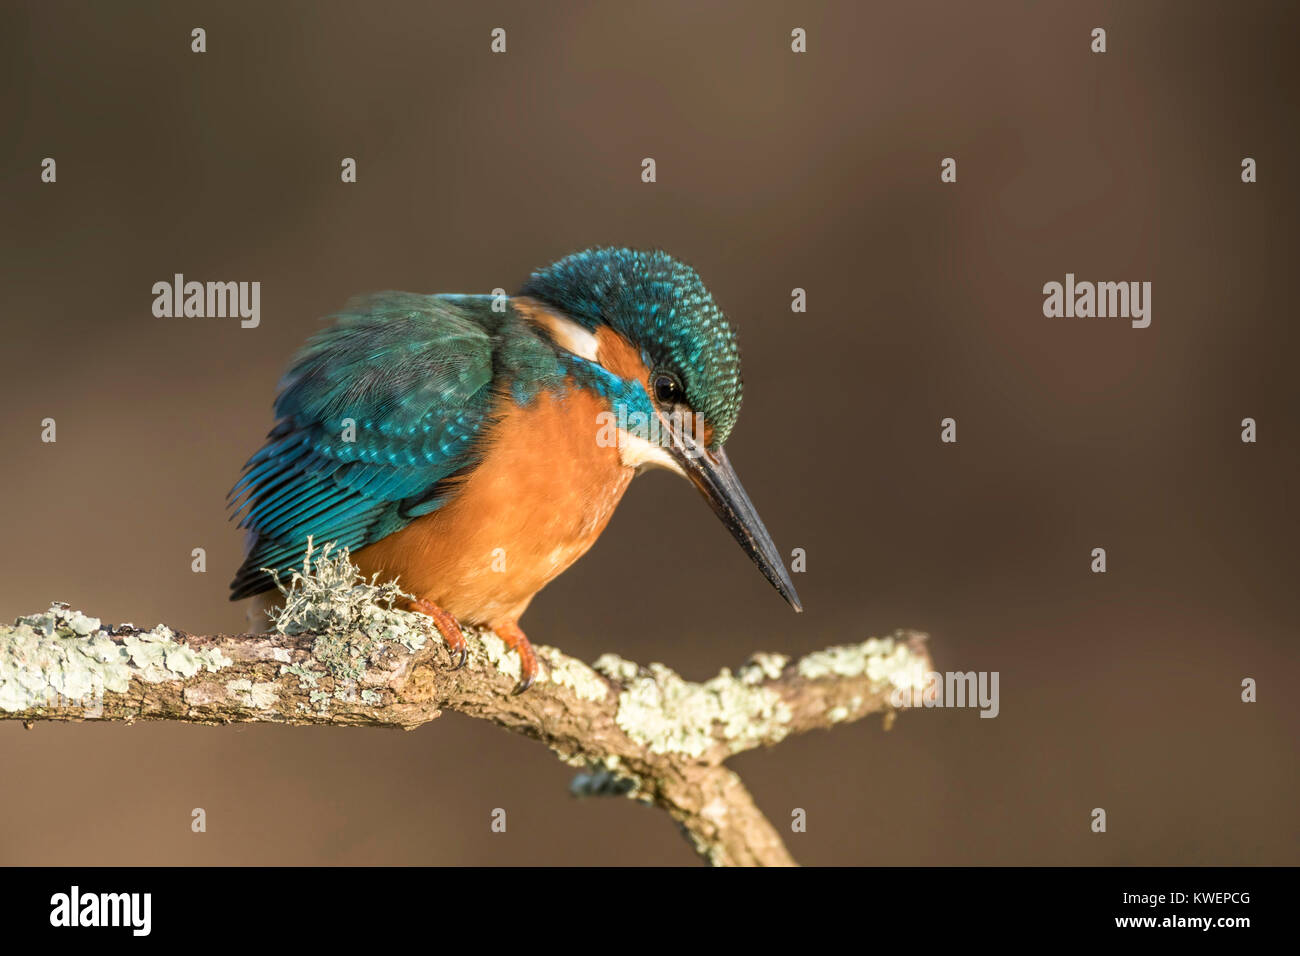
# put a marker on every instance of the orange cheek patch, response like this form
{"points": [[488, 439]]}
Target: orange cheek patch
{"points": [[620, 356]]}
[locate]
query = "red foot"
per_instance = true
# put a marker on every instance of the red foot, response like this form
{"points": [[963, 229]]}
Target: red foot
{"points": [[448, 627], [517, 641]]}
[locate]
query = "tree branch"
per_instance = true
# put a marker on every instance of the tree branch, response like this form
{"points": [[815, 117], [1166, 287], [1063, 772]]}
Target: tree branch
{"points": [[339, 656]]}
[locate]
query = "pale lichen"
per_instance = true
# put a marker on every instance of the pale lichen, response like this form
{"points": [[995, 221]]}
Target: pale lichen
{"points": [[617, 668], [353, 618], [668, 714], [575, 675], [330, 595], [306, 677], [160, 658], [500, 655], [762, 666], [355, 622], [883, 660], [65, 655], [258, 696]]}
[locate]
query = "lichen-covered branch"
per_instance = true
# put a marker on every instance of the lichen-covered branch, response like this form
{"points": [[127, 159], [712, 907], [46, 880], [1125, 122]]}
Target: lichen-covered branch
{"points": [[343, 653]]}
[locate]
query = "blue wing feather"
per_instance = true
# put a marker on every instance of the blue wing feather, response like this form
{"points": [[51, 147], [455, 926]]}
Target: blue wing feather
{"points": [[413, 375]]}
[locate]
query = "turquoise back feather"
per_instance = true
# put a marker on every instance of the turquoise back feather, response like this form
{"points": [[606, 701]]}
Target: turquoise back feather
{"points": [[415, 376]]}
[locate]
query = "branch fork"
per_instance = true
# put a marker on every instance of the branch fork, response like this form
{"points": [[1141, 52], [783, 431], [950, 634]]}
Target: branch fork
{"points": [[341, 653]]}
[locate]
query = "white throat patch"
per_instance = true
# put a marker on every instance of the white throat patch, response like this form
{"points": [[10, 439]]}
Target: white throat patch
{"points": [[636, 452]]}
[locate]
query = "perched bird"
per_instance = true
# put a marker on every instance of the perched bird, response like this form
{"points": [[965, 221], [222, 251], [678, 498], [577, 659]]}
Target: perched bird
{"points": [[473, 447]]}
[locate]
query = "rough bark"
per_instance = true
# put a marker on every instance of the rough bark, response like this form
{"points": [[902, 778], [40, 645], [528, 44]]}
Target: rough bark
{"points": [[642, 732]]}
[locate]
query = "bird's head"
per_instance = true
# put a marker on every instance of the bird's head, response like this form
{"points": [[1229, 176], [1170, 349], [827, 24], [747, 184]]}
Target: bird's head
{"points": [[661, 351]]}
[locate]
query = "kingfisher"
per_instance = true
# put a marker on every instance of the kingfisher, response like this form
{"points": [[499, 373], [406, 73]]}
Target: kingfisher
{"points": [[473, 447]]}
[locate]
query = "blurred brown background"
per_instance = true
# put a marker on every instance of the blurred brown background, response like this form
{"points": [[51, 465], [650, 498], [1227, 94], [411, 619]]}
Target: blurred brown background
{"points": [[775, 171]]}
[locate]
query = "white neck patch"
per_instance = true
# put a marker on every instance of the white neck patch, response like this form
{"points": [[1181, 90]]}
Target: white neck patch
{"points": [[568, 335], [636, 452], [633, 450]]}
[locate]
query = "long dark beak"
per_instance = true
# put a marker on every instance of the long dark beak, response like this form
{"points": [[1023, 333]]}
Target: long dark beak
{"points": [[711, 472]]}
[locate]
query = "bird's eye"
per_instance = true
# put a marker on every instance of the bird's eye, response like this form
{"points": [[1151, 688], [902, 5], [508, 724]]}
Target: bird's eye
{"points": [[668, 391]]}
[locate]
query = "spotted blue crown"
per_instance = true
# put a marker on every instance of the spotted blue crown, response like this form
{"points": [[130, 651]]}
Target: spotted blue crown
{"points": [[662, 307]]}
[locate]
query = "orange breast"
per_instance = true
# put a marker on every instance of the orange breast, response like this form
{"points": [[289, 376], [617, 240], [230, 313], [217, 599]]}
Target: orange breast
{"points": [[540, 498]]}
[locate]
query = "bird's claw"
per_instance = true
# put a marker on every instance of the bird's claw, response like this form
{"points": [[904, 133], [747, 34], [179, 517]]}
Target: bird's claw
{"points": [[458, 650], [518, 642], [523, 685], [449, 628]]}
